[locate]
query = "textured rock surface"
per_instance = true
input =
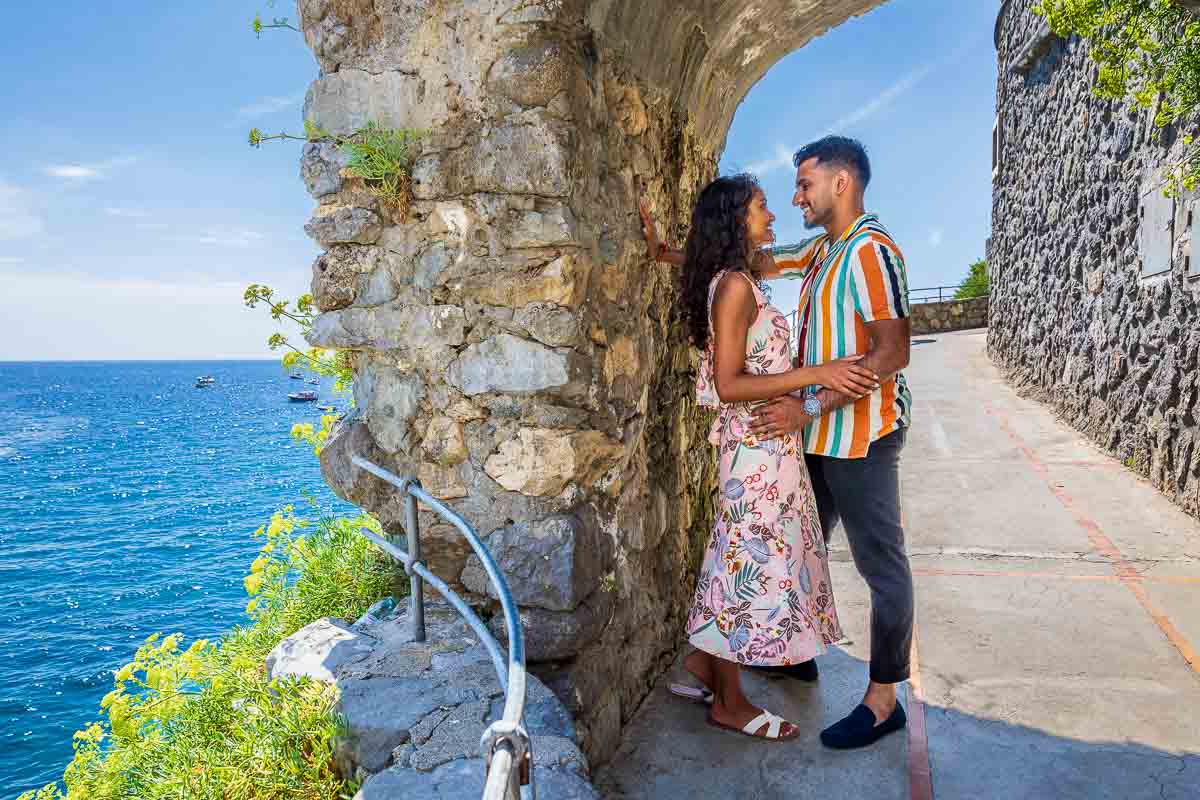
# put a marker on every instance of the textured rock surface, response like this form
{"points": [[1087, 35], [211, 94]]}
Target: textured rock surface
{"points": [[416, 712], [516, 301], [952, 315], [551, 564], [1073, 320]]}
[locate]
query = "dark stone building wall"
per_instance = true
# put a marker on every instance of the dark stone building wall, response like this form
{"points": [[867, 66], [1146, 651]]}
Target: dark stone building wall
{"points": [[1095, 304]]}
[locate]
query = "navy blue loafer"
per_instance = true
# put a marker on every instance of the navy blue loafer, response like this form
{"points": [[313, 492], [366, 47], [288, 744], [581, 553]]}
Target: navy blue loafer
{"points": [[859, 729]]}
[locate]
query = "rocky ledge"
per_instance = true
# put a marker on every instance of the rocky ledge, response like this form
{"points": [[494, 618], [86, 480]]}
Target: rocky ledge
{"points": [[416, 712]]}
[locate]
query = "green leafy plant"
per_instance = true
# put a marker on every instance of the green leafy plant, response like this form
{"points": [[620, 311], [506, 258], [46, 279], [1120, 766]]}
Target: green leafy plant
{"points": [[382, 158], [204, 721], [977, 283], [1147, 51], [320, 361]]}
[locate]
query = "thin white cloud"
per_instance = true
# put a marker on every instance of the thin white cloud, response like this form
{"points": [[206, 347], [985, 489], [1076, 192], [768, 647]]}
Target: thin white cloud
{"points": [[936, 236], [229, 237], [84, 172], [269, 105], [781, 159], [127, 213], [10, 260], [883, 99], [783, 155], [17, 220], [72, 171]]}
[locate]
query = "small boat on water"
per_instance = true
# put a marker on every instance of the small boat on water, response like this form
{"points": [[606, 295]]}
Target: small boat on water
{"points": [[296, 376], [314, 381], [302, 397], [205, 381], [328, 409]]}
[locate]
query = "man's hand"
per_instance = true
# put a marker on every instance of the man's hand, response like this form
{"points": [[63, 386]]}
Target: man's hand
{"points": [[779, 417]]}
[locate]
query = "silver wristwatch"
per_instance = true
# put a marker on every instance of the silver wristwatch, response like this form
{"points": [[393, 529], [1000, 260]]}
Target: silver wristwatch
{"points": [[812, 406]]}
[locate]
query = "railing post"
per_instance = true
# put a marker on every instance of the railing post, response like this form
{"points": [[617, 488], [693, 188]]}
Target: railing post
{"points": [[416, 588]]}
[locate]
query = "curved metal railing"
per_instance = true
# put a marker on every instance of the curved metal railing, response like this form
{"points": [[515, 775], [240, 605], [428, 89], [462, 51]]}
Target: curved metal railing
{"points": [[505, 743]]}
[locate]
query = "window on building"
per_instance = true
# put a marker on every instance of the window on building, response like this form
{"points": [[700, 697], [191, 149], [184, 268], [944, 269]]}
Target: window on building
{"points": [[1155, 227], [996, 147]]}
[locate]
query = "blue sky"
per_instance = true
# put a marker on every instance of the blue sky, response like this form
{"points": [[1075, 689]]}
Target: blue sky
{"points": [[133, 213]]}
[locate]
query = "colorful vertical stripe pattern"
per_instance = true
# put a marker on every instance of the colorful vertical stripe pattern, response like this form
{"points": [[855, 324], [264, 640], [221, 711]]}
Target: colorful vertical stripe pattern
{"points": [[857, 280]]}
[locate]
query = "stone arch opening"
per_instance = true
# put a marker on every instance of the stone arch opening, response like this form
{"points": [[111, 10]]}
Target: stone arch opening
{"points": [[513, 347]]}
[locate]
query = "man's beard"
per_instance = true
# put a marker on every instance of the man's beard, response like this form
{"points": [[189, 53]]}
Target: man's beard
{"points": [[813, 220]]}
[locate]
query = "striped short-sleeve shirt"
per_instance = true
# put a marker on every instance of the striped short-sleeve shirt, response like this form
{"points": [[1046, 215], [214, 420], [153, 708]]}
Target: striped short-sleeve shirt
{"points": [[860, 278]]}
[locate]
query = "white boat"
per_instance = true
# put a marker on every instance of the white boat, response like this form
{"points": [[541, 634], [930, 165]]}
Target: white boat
{"points": [[296, 376], [205, 381], [314, 381], [302, 397]]}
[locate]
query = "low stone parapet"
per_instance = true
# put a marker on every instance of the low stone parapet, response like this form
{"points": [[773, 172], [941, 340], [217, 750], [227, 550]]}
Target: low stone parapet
{"points": [[416, 712], [951, 315]]}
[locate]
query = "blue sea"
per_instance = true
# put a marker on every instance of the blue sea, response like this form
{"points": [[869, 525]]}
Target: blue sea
{"points": [[127, 502]]}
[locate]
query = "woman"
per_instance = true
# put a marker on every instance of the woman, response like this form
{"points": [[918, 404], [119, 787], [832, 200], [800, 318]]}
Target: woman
{"points": [[763, 597]]}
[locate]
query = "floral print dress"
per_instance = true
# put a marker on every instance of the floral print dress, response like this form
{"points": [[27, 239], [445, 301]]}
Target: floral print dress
{"points": [[763, 597]]}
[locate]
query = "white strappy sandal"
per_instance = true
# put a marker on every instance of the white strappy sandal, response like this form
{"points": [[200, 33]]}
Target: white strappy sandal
{"points": [[696, 695], [774, 727]]}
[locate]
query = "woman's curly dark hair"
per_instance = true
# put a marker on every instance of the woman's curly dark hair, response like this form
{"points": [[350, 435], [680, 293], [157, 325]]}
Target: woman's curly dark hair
{"points": [[719, 239]]}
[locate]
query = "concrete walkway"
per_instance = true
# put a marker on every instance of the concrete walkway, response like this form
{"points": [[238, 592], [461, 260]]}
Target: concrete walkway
{"points": [[1058, 607]]}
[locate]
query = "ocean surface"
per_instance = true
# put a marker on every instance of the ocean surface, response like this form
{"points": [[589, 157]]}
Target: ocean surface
{"points": [[127, 502]]}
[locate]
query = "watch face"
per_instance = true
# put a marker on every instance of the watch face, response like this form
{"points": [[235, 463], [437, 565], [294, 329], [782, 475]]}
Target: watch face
{"points": [[812, 406]]}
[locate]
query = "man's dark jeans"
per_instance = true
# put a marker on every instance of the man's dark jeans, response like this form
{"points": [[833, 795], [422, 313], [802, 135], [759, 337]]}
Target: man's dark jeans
{"points": [[864, 493]]}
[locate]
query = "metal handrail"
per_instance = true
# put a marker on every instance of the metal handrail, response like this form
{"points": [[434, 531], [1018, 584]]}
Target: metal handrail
{"points": [[505, 743]]}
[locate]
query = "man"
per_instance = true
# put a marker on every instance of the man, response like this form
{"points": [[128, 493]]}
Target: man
{"points": [[853, 300]]}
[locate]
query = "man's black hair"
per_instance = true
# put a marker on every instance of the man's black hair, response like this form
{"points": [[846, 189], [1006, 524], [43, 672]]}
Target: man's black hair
{"points": [[840, 151]]}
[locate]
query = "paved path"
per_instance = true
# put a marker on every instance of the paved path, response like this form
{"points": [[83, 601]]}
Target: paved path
{"points": [[1058, 607]]}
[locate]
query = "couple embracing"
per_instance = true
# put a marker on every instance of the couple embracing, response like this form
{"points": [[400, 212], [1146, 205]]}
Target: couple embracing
{"points": [[801, 445]]}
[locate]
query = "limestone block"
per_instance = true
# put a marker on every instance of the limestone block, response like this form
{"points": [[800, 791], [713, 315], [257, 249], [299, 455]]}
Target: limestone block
{"points": [[344, 224], [552, 563], [543, 461], [621, 360], [530, 156], [336, 275], [546, 228], [444, 483], [506, 363], [549, 324], [343, 102], [356, 485], [556, 635], [320, 168], [562, 282], [627, 108], [318, 650], [531, 75], [443, 441], [394, 405], [399, 325], [381, 713]]}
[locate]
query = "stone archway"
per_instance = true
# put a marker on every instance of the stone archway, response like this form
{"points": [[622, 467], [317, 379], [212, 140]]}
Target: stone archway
{"points": [[514, 348]]}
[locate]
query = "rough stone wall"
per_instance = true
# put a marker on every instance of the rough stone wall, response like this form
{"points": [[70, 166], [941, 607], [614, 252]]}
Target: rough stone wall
{"points": [[1077, 213], [513, 347], [951, 315]]}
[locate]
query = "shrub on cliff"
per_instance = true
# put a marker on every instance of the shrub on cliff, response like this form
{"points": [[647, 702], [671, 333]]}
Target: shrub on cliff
{"points": [[203, 720], [977, 283]]}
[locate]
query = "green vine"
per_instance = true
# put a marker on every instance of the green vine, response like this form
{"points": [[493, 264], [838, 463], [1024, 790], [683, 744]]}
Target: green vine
{"points": [[276, 22], [1147, 51]]}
